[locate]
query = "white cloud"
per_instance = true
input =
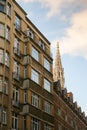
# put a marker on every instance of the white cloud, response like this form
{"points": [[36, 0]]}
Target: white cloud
{"points": [[75, 40], [55, 6]]}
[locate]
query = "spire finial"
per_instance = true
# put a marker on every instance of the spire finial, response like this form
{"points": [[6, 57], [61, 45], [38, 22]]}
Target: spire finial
{"points": [[57, 44]]}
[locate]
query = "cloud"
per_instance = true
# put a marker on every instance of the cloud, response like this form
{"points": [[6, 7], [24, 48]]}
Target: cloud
{"points": [[55, 7], [75, 41]]}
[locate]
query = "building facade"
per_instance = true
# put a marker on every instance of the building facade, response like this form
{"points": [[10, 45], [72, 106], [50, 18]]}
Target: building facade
{"points": [[27, 97], [26, 92], [67, 114]]}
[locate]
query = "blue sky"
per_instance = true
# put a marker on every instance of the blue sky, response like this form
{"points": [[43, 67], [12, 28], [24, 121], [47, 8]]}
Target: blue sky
{"points": [[65, 21]]}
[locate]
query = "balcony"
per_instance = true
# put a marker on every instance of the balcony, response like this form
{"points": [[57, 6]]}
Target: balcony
{"points": [[14, 129], [15, 76], [15, 103], [26, 84], [17, 51], [25, 109], [26, 60]]}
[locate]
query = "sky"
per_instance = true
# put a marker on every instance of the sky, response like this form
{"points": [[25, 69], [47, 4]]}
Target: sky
{"points": [[65, 21]]}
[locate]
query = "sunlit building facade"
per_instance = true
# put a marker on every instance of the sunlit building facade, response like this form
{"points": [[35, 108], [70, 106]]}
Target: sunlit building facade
{"points": [[28, 95]]}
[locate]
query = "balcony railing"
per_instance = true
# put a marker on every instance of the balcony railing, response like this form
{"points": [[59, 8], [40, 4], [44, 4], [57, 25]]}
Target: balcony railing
{"points": [[26, 60], [26, 84], [15, 103], [17, 51], [16, 76], [25, 109]]}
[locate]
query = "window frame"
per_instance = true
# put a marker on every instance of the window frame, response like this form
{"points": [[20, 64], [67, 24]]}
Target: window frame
{"points": [[35, 100], [1, 56], [47, 85], [46, 64], [35, 54], [2, 30], [17, 22], [35, 124], [3, 3], [14, 121], [25, 96], [8, 9], [47, 107], [6, 85], [7, 59], [35, 76], [24, 122], [4, 115], [16, 68], [7, 33], [16, 94]]}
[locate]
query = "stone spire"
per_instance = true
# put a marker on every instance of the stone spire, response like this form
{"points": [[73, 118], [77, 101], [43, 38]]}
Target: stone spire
{"points": [[58, 71]]}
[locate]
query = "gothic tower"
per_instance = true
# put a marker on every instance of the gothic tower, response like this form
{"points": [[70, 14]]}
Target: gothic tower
{"points": [[58, 71]]}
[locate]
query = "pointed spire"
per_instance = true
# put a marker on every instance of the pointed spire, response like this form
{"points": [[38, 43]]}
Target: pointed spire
{"points": [[57, 58], [58, 73]]}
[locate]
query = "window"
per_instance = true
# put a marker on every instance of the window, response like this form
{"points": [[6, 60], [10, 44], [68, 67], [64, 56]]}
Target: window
{"points": [[16, 94], [0, 85], [25, 72], [59, 112], [16, 68], [16, 46], [7, 59], [35, 100], [47, 85], [18, 23], [6, 86], [35, 54], [46, 64], [2, 30], [2, 5], [35, 124], [1, 56], [8, 33], [35, 76], [47, 127], [30, 33], [24, 122], [15, 121], [8, 11], [42, 45], [47, 107], [4, 116], [25, 96]]}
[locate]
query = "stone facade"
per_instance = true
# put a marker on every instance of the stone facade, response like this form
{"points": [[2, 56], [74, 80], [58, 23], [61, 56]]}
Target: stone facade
{"points": [[28, 97]]}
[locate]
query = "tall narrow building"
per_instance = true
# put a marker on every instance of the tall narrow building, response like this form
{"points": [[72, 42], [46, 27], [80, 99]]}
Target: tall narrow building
{"points": [[26, 79], [58, 71], [28, 100]]}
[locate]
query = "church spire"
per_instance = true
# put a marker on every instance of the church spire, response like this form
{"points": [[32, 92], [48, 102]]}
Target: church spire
{"points": [[58, 71], [57, 58]]}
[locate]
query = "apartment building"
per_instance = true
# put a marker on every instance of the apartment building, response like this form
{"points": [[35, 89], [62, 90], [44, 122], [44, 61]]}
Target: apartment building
{"points": [[26, 87], [29, 99]]}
